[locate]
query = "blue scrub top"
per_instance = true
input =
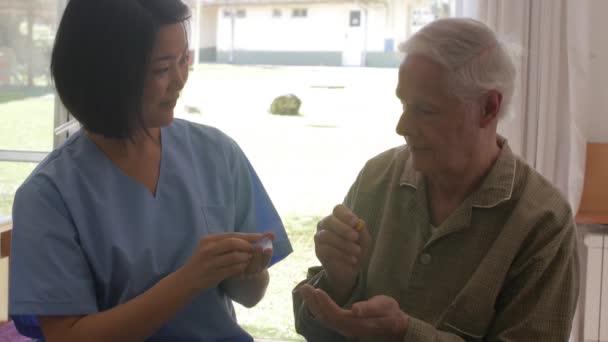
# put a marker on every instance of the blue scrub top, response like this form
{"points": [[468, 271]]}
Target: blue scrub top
{"points": [[87, 237]]}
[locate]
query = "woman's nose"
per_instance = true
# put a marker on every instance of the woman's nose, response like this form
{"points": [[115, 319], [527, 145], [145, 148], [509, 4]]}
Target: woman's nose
{"points": [[180, 76]]}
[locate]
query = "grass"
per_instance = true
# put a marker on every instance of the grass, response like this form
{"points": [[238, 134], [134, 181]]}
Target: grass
{"points": [[11, 176], [26, 118], [27, 122], [306, 163], [272, 318]]}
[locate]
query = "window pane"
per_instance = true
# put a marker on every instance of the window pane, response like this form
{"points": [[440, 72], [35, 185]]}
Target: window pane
{"points": [[306, 161], [27, 31], [27, 124], [355, 18], [347, 115], [11, 177]]}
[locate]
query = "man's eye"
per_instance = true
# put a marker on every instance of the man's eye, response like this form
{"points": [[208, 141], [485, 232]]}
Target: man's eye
{"points": [[422, 110]]}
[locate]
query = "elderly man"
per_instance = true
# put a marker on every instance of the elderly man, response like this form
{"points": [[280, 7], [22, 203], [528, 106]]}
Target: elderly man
{"points": [[451, 237]]}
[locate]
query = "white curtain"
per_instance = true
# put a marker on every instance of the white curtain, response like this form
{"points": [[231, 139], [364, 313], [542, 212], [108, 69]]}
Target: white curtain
{"points": [[546, 126], [552, 101]]}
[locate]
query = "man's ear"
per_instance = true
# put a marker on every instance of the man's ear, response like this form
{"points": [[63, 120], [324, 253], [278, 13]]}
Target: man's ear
{"points": [[492, 102]]}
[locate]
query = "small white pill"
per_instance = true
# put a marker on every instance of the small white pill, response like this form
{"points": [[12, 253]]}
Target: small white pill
{"points": [[266, 243]]}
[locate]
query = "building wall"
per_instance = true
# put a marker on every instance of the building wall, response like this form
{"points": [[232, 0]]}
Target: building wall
{"points": [[398, 21], [320, 38], [208, 33], [322, 30]]}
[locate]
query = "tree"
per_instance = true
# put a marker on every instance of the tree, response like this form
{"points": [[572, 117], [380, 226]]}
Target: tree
{"points": [[17, 32]]}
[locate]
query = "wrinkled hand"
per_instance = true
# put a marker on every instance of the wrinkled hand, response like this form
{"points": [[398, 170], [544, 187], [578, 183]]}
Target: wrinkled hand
{"points": [[342, 249], [378, 316], [218, 257]]}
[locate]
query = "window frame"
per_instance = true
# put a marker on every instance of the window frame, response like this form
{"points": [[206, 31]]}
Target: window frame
{"points": [[299, 13], [61, 117]]}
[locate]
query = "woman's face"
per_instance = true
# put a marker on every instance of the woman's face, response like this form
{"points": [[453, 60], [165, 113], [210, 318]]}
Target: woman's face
{"points": [[441, 132], [166, 75]]}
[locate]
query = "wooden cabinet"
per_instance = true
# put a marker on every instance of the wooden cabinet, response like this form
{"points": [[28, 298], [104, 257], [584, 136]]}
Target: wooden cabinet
{"points": [[596, 288], [5, 239]]}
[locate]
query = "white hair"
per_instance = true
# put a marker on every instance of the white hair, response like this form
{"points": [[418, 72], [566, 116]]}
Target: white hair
{"points": [[473, 55]]}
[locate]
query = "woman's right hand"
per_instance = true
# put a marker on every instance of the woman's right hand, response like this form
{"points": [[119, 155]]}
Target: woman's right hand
{"points": [[218, 257], [342, 249]]}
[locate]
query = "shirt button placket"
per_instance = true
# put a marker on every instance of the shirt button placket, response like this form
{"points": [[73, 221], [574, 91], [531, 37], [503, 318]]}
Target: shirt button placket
{"points": [[425, 258]]}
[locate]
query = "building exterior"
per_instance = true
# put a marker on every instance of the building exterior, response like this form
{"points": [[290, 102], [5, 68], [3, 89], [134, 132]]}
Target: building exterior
{"points": [[306, 32]]}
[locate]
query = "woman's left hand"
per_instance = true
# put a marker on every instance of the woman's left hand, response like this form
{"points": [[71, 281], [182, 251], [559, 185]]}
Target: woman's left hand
{"points": [[249, 287], [377, 316]]}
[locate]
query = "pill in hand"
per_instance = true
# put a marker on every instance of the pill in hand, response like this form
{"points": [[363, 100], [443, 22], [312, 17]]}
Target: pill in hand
{"points": [[360, 225], [266, 243]]}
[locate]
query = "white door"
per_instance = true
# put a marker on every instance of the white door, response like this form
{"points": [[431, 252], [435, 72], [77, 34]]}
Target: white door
{"points": [[354, 40]]}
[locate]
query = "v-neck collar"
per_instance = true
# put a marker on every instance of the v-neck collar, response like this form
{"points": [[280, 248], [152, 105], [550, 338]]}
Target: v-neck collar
{"points": [[128, 179]]}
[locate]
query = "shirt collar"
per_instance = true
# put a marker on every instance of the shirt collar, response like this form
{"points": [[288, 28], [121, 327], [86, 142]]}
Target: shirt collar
{"points": [[410, 177], [497, 187]]}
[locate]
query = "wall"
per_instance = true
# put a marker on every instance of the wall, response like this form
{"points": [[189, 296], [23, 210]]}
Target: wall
{"points": [[260, 31], [597, 119], [208, 34], [397, 22], [318, 39], [4, 251], [3, 289], [208, 27]]}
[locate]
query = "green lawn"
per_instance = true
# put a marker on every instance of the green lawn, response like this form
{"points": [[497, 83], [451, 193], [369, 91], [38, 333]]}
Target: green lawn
{"points": [[273, 317], [306, 163], [26, 123], [11, 175]]}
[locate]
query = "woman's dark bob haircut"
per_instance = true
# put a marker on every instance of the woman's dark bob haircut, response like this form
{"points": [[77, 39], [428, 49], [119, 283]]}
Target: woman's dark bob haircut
{"points": [[101, 54]]}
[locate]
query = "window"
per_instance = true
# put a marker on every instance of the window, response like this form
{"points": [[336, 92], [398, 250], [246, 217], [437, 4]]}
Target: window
{"points": [[355, 19], [299, 13], [29, 110], [239, 13], [347, 116], [13, 174], [423, 13], [344, 116]]}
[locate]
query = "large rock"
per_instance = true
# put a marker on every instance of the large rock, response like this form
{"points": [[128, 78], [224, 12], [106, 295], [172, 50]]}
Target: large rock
{"points": [[286, 105]]}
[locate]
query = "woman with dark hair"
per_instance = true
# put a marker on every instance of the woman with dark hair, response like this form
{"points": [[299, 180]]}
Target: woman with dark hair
{"points": [[139, 227]]}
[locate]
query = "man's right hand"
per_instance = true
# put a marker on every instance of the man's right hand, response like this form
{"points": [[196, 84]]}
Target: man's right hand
{"points": [[342, 250]]}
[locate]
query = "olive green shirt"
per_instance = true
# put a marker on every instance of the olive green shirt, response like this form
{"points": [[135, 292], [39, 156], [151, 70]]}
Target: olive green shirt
{"points": [[502, 267]]}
